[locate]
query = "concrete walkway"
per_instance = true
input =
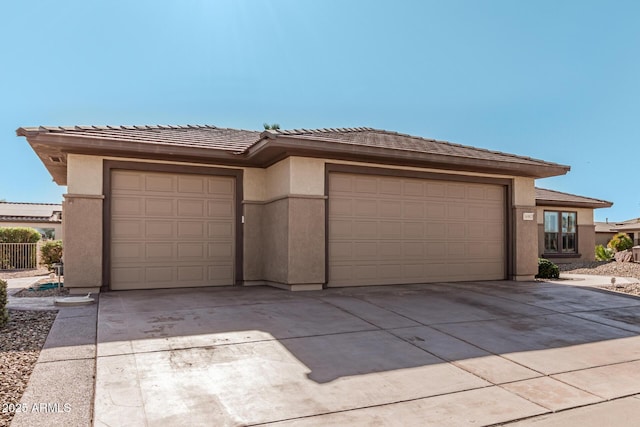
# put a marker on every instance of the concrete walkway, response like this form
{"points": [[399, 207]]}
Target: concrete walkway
{"points": [[482, 353]]}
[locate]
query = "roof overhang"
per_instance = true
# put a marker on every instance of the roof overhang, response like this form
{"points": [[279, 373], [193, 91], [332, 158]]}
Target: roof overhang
{"points": [[53, 148]]}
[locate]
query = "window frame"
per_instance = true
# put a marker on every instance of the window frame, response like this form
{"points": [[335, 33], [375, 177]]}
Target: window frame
{"points": [[559, 239]]}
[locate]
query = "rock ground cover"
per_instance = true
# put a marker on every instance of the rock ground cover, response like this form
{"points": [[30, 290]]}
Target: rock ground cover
{"points": [[608, 268], [20, 343]]}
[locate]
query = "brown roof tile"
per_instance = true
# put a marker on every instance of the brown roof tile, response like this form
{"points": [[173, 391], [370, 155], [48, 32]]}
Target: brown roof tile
{"points": [[207, 143], [550, 197]]}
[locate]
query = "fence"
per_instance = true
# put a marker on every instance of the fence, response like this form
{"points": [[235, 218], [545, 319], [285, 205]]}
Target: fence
{"points": [[18, 256]]}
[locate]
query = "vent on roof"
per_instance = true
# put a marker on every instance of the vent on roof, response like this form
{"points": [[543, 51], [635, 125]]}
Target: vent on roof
{"points": [[55, 159]]}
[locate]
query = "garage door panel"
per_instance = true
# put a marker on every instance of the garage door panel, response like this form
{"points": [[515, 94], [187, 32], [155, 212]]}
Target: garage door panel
{"points": [[159, 183], [219, 229], [192, 185], [159, 275], [133, 229], [159, 251], [159, 207], [365, 229], [171, 230], [219, 250], [391, 186], [191, 208], [195, 250], [341, 207], [127, 181], [390, 229], [157, 229], [366, 185], [126, 206], [222, 187], [429, 231], [125, 251], [413, 210], [188, 229], [220, 208]]}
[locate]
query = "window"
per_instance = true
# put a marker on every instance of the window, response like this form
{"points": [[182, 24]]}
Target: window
{"points": [[560, 233]]}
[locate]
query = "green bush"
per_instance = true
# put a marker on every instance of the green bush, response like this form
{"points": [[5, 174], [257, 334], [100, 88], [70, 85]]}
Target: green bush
{"points": [[547, 269], [620, 242], [604, 254], [51, 253], [19, 235], [4, 313]]}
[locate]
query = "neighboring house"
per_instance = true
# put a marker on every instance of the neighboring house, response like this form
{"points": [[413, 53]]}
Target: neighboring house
{"points": [[566, 230], [606, 230], [44, 217], [183, 206]]}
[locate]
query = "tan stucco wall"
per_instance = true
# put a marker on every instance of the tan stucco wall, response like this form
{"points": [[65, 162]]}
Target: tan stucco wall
{"points": [[83, 243], [57, 227], [284, 210]]}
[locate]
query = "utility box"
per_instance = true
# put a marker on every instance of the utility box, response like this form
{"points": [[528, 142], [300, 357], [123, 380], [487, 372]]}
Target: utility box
{"points": [[636, 253]]}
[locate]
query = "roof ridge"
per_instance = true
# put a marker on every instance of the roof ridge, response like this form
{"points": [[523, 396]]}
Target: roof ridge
{"points": [[132, 127], [32, 203]]}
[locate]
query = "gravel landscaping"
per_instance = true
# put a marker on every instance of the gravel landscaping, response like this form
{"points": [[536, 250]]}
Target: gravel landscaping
{"points": [[608, 268], [20, 343]]}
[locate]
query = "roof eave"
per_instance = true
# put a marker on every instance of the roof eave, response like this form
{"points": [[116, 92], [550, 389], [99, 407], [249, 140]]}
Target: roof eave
{"points": [[564, 203]]}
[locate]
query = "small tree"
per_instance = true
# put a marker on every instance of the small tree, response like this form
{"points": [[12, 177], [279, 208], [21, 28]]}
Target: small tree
{"points": [[51, 253], [273, 126], [620, 242]]}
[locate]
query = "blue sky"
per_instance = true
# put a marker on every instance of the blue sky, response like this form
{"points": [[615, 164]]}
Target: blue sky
{"points": [[556, 80]]}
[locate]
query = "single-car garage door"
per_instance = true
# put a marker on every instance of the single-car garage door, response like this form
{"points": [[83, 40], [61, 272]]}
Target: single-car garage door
{"points": [[171, 230], [393, 230]]}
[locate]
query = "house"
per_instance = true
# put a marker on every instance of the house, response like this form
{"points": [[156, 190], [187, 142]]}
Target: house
{"points": [[566, 230], [44, 217], [606, 230], [182, 206]]}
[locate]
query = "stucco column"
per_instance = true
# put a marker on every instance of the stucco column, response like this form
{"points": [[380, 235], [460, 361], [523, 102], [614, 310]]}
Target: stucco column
{"points": [[306, 242], [83, 243], [525, 243]]}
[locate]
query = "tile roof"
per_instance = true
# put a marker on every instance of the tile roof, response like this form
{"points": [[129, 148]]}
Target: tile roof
{"points": [[29, 212], [369, 137], [566, 199], [201, 136], [211, 144], [614, 227]]}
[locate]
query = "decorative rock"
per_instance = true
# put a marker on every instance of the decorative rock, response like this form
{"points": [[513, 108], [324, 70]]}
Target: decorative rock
{"points": [[624, 256]]}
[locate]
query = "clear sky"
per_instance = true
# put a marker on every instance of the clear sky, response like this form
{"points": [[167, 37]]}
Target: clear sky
{"points": [[552, 79]]}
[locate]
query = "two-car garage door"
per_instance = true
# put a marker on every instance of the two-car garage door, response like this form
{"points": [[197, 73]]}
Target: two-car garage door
{"points": [[171, 230], [394, 230]]}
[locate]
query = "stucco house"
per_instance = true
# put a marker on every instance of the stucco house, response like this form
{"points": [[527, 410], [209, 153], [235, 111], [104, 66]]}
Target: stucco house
{"points": [[566, 229], [44, 217], [183, 206], [606, 230]]}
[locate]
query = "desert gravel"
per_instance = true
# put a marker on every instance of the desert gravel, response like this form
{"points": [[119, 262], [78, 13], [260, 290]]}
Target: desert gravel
{"points": [[20, 343], [603, 268]]}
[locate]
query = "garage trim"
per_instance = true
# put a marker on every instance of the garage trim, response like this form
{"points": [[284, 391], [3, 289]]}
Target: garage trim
{"points": [[404, 173], [109, 165]]}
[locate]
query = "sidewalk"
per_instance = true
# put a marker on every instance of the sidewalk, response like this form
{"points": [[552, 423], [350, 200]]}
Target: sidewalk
{"points": [[26, 303]]}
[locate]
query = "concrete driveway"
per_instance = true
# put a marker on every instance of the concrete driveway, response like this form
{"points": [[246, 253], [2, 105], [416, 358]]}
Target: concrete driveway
{"points": [[439, 354]]}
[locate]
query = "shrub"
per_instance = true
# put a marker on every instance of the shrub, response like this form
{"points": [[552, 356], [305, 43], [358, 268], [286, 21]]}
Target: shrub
{"points": [[604, 254], [4, 312], [19, 235], [547, 269], [620, 242], [51, 253]]}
